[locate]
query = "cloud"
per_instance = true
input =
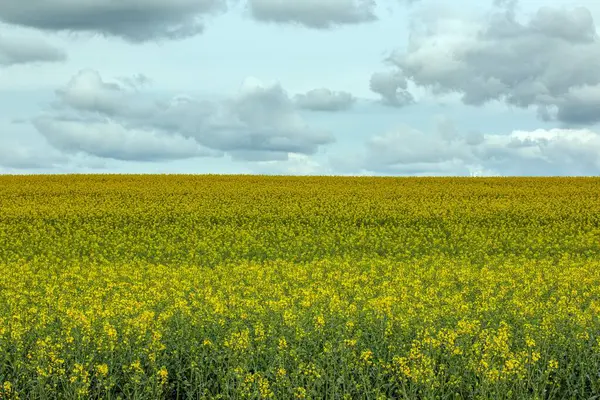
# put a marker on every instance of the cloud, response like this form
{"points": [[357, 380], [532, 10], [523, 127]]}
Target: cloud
{"points": [[548, 62], [392, 87], [540, 152], [108, 139], [113, 120], [324, 100], [296, 164], [317, 14], [132, 20], [18, 156], [23, 51], [86, 91], [261, 118], [136, 82]]}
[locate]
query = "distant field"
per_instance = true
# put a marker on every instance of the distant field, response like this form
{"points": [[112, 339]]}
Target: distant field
{"points": [[248, 287]]}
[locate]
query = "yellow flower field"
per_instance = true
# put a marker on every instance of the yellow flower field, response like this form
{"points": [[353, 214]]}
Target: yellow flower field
{"points": [[251, 287]]}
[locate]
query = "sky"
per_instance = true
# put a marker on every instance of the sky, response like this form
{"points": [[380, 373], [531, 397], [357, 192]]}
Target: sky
{"points": [[311, 87]]}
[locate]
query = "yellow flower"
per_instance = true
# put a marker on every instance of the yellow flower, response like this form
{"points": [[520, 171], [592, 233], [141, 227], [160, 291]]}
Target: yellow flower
{"points": [[300, 393], [163, 375], [102, 369], [319, 321], [366, 356], [282, 344]]}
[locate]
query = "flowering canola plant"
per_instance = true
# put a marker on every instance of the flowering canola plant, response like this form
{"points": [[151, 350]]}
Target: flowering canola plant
{"points": [[254, 287]]}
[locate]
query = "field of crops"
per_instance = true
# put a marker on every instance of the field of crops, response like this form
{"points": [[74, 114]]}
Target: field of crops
{"points": [[247, 287]]}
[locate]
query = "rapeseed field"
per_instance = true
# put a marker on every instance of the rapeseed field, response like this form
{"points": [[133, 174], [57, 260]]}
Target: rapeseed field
{"points": [[251, 287]]}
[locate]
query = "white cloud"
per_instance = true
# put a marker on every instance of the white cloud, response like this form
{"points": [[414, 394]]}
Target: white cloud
{"points": [[538, 152], [114, 121], [295, 164], [19, 50], [392, 87], [109, 139], [323, 99], [20, 156], [543, 62]]}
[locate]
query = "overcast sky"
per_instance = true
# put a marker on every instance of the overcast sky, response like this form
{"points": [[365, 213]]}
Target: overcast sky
{"points": [[326, 87]]}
